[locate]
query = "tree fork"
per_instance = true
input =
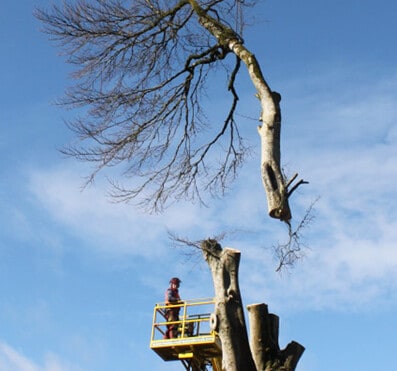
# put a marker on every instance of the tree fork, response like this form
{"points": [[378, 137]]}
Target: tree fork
{"points": [[264, 331]]}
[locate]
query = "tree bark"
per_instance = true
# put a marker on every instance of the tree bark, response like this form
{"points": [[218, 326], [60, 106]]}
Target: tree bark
{"points": [[264, 330], [262, 353], [224, 265]]}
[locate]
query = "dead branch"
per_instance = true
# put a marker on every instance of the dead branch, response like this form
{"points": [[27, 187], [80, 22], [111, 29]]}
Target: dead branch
{"points": [[288, 253]]}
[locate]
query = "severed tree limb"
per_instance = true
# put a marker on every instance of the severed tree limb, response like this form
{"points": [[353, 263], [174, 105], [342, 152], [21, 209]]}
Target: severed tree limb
{"points": [[273, 179]]}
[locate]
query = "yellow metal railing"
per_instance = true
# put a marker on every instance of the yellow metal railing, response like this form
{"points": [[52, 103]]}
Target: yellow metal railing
{"points": [[196, 342], [194, 319]]}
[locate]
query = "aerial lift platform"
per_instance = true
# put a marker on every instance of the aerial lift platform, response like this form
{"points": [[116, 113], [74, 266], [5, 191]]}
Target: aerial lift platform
{"points": [[197, 344]]}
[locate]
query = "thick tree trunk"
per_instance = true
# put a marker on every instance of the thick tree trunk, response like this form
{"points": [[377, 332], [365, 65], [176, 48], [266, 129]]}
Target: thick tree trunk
{"points": [[262, 353], [224, 264]]}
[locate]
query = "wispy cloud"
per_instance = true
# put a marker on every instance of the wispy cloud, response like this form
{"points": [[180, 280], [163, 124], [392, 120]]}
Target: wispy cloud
{"points": [[11, 360], [14, 360], [345, 148], [88, 214], [122, 228]]}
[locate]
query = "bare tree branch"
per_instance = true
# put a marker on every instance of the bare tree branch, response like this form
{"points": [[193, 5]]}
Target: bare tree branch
{"points": [[141, 71], [288, 253]]}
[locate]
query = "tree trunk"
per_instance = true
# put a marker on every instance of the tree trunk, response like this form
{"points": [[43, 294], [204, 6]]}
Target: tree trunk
{"points": [[262, 353], [264, 330], [224, 264]]}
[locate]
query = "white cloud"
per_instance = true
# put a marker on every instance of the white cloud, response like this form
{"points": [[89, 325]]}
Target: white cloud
{"points": [[122, 228], [339, 272], [349, 159], [115, 228], [11, 360], [14, 360]]}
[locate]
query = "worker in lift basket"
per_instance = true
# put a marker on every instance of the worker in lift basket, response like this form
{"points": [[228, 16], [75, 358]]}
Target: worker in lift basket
{"points": [[172, 314]]}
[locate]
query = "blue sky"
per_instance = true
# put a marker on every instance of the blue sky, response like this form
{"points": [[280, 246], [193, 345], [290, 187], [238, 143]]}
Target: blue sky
{"points": [[79, 275]]}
